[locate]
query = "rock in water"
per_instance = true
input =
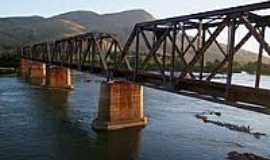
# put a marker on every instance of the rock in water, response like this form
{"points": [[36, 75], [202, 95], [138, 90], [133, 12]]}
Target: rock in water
{"points": [[244, 156]]}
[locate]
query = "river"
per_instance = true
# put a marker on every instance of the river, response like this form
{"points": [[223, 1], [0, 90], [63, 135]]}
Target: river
{"points": [[42, 124]]}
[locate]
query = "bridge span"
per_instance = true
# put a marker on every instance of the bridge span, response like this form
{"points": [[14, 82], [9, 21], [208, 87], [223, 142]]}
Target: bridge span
{"points": [[163, 54]]}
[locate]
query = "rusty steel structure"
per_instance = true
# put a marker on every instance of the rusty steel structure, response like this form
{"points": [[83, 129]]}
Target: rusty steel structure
{"points": [[167, 44], [84, 52]]}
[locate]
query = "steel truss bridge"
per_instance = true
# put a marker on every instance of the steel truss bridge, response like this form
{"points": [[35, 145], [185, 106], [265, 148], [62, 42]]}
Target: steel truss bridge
{"points": [[167, 44]]}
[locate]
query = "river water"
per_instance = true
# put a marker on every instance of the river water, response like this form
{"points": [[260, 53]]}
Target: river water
{"points": [[41, 124]]}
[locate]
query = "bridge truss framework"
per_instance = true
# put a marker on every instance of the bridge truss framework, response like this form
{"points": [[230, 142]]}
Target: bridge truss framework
{"points": [[167, 43]]}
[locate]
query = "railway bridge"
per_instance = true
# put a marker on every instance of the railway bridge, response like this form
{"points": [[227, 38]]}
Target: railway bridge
{"points": [[164, 54]]}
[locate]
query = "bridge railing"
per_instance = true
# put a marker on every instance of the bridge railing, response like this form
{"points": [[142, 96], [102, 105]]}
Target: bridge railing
{"points": [[167, 43]]}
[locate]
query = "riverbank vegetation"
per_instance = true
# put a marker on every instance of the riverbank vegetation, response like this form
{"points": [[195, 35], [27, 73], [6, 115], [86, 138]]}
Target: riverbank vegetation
{"points": [[249, 68], [9, 61], [8, 64]]}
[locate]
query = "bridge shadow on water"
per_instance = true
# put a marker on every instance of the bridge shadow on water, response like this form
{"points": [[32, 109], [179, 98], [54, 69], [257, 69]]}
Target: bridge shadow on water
{"points": [[254, 108], [220, 100], [69, 138]]}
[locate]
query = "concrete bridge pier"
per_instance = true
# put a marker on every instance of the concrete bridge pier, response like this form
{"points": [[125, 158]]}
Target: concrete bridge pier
{"points": [[37, 70], [25, 65], [58, 77], [33, 71], [120, 106], [37, 73], [45, 75]]}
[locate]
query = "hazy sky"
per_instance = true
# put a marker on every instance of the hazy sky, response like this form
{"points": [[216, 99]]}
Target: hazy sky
{"points": [[159, 8]]}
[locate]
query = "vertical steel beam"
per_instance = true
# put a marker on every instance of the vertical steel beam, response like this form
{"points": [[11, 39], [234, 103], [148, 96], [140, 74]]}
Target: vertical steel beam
{"points": [[182, 39], [230, 50], [20, 51], [93, 59], [48, 47], [164, 57], [172, 68], [203, 56], [31, 53], [89, 49], [116, 45], [259, 63], [137, 54], [199, 45], [80, 53]]}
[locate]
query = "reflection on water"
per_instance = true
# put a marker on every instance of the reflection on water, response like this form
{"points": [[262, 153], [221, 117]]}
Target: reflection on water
{"points": [[42, 124], [121, 145]]}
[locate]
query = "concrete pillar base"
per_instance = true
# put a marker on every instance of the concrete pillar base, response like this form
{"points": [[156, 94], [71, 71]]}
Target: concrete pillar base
{"points": [[37, 70], [37, 73], [32, 71], [99, 125], [120, 106], [58, 78], [50, 76], [25, 65]]}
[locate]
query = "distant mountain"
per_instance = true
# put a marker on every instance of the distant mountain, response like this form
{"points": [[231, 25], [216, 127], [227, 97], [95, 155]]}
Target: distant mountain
{"points": [[120, 23], [19, 31], [242, 56], [27, 30]]}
